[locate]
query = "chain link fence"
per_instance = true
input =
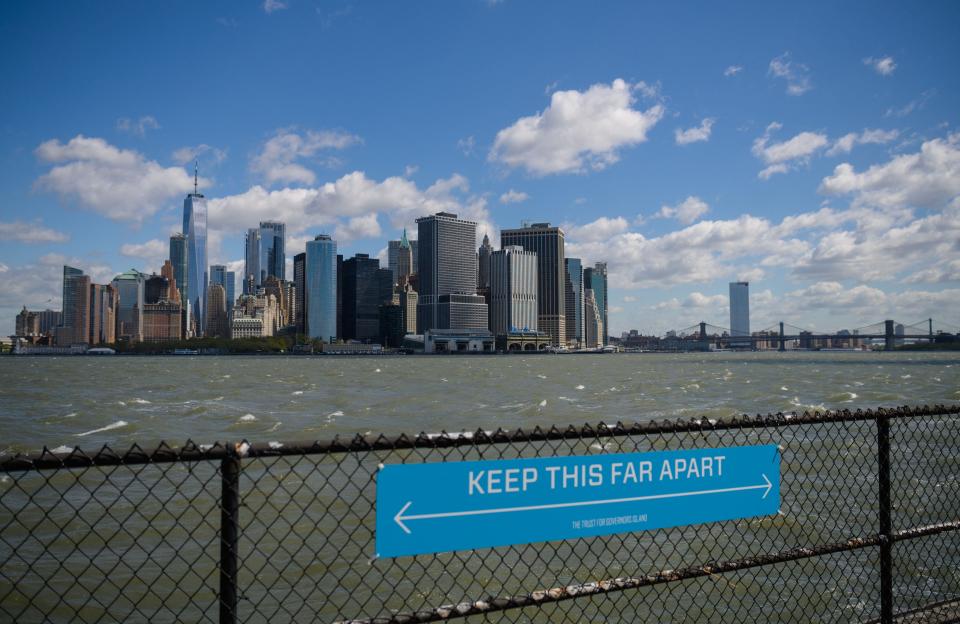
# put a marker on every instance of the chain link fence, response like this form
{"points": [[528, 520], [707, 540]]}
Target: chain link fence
{"points": [[867, 531]]}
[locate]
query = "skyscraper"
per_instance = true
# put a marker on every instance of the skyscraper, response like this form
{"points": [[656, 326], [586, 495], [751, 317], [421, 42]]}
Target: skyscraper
{"points": [[251, 261], [321, 288], [167, 271], [573, 300], [393, 256], [740, 309], [299, 289], [220, 275], [365, 287], [447, 266], [129, 287], [155, 288], [405, 267], [272, 252], [483, 264], [217, 319], [548, 243], [178, 258], [103, 314], [513, 290], [195, 229], [593, 329], [595, 279], [75, 324]]}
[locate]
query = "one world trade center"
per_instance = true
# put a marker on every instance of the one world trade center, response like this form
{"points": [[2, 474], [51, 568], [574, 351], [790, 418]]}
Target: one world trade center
{"points": [[195, 230]]}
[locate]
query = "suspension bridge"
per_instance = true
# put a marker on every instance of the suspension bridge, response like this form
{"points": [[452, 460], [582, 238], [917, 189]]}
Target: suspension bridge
{"points": [[891, 332]]}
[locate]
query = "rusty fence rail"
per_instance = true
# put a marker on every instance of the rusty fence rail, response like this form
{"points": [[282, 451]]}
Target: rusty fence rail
{"points": [[867, 531]]}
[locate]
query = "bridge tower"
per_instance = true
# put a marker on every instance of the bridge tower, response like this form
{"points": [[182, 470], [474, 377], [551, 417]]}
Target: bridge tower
{"points": [[783, 346], [888, 335], [930, 325]]}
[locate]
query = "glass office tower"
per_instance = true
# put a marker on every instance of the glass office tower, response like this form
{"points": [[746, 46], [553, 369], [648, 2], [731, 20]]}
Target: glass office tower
{"points": [[321, 288]]}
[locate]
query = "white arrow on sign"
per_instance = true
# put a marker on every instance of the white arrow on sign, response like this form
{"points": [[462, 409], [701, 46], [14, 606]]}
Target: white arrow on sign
{"points": [[400, 518]]}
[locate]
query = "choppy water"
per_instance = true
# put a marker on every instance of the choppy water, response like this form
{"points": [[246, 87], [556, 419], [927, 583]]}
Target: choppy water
{"points": [[90, 401]]}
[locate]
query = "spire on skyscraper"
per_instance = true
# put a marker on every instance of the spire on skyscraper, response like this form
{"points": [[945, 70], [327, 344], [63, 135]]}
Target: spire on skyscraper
{"points": [[403, 239], [196, 167]]}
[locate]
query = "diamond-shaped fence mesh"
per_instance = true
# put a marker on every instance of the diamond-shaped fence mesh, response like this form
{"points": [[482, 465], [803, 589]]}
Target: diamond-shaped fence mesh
{"points": [[280, 533]]}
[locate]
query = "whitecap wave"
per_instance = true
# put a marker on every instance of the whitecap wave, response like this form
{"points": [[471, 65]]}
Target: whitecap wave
{"points": [[248, 418], [114, 425]]}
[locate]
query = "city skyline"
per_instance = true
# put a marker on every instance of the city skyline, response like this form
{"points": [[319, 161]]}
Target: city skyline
{"points": [[824, 170]]}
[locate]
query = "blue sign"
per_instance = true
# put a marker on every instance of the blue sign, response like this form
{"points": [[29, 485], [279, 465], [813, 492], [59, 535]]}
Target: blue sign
{"points": [[437, 507]]}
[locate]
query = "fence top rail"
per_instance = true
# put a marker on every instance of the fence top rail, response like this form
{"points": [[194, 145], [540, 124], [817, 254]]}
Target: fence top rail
{"points": [[193, 452]]}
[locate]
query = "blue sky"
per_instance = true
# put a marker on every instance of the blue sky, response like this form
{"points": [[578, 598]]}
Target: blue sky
{"points": [[811, 148]]}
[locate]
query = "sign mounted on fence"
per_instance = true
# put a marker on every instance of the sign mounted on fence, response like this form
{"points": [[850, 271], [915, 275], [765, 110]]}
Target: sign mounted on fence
{"points": [[437, 507]]}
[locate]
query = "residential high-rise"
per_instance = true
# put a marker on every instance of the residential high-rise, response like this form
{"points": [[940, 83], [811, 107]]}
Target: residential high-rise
{"points": [[548, 243], [573, 300], [251, 261], [447, 265], [321, 288], [178, 258], [272, 252], [218, 322], [168, 272], [593, 329], [299, 288], [129, 287], [365, 287], [49, 320], [513, 290], [483, 264], [195, 229], [103, 314], [739, 308], [595, 278], [75, 324]]}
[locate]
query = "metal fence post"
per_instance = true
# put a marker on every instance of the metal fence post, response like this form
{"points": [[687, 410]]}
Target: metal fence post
{"points": [[229, 523], [886, 543]]}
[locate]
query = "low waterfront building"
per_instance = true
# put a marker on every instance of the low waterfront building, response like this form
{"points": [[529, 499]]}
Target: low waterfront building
{"points": [[458, 341], [516, 341]]}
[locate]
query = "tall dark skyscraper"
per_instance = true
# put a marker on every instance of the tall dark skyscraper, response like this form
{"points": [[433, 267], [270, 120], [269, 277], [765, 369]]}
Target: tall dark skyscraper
{"points": [[548, 243], [272, 253], [195, 229], [573, 297], [447, 265], [178, 258], [483, 265], [299, 290], [251, 261], [365, 287], [595, 279], [75, 325]]}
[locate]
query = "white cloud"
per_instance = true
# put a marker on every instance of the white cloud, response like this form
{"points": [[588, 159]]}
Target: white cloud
{"points": [[578, 130], [732, 70], [409, 170], [796, 75], [358, 227], [34, 232], [783, 156], [152, 253], [943, 271], [845, 144], [188, 154], [137, 127], [834, 295], [882, 65], [116, 183], [513, 197], [694, 134], [277, 160], [598, 230], [629, 299], [686, 212], [467, 145], [929, 178], [912, 105], [700, 300], [269, 6], [339, 204]]}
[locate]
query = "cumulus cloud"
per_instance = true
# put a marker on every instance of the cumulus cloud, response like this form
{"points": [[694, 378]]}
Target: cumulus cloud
{"points": [[34, 232], [353, 203], [513, 197], [845, 144], [358, 227], [189, 154], [278, 158], [783, 156], [732, 70], [700, 300], [883, 65], [694, 134], [928, 178], [598, 230], [578, 131], [686, 212], [116, 183], [796, 75], [137, 127], [152, 253]]}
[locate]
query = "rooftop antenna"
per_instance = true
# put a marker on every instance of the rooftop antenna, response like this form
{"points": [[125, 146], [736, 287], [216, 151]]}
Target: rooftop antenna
{"points": [[196, 166]]}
